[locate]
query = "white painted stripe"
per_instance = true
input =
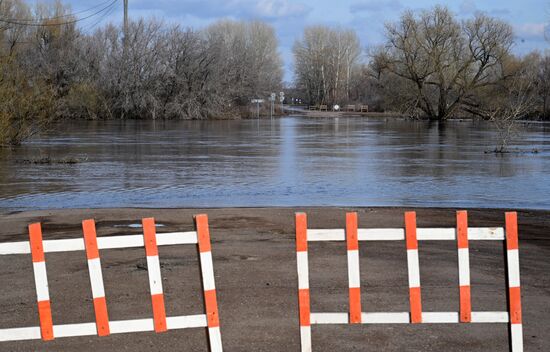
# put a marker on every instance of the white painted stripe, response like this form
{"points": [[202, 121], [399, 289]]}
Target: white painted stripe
{"points": [[423, 234], [155, 278], [305, 338], [353, 269], [404, 318], [19, 334], [414, 267], [366, 318], [64, 245], [440, 317], [463, 267], [116, 327], [517, 337], [109, 242], [436, 234], [72, 330], [215, 337], [386, 318], [207, 269], [513, 268], [172, 238], [329, 318], [15, 248], [132, 241], [195, 321], [96, 278], [326, 235], [41, 281], [137, 325], [175, 238], [449, 234], [116, 242], [486, 233], [303, 270], [490, 317], [185, 322], [381, 234]]}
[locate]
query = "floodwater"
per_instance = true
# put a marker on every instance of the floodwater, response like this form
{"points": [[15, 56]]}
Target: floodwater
{"points": [[285, 162]]}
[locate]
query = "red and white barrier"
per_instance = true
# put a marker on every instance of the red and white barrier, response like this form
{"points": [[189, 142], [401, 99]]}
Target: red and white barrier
{"points": [[41, 282], [514, 291], [92, 245], [411, 235], [208, 283], [96, 278], [303, 281]]}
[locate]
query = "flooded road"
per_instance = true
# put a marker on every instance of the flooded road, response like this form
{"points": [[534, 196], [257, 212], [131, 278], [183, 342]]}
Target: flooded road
{"points": [[288, 162]]}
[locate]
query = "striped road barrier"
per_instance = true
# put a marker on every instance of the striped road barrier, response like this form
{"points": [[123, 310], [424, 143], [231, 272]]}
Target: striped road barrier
{"points": [[91, 244], [462, 234]]}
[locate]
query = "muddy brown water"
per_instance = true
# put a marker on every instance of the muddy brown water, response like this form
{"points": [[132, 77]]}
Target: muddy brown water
{"points": [[285, 162]]}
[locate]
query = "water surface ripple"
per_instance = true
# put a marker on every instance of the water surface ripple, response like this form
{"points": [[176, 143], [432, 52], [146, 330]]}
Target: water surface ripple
{"points": [[288, 162]]}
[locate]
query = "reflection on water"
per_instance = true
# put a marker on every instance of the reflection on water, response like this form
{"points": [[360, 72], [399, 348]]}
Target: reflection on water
{"points": [[287, 162]]}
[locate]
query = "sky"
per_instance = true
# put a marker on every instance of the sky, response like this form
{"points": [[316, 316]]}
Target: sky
{"points": [[529, 18]]}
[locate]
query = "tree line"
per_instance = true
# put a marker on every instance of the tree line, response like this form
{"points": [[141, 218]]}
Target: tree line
{"points": [[50, 69], [431, 65]]}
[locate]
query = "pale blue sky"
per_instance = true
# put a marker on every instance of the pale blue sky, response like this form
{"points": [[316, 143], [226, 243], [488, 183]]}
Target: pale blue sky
{"points": [[528, 17]]}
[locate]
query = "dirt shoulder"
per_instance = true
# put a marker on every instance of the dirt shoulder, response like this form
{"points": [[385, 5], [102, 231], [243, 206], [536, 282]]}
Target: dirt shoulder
{"points": [[255, 269]]}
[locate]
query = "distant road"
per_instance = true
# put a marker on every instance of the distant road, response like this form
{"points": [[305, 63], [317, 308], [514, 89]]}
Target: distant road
{"points": [[303, 110]]}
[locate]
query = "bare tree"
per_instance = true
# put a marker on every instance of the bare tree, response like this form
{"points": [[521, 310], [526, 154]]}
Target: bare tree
{"points": [[543, 80], [444, 60], [513, 99], [170, 72], [27, 101], [325, 60], [249, 59]]}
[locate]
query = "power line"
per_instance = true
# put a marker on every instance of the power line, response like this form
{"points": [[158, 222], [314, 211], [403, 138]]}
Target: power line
{"points": [[18, 23], [56, 17], [88, 28]]}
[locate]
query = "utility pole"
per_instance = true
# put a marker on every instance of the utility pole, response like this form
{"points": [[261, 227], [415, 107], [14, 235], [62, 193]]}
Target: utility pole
{"points": [[125, 25]]}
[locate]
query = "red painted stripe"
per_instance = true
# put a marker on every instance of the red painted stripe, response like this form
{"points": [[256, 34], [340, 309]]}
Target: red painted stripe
{"points": [[465, 304], [301, 232], [46, 323], [351, 231], [416, 305], [101, 316], [90, 239], [512, 241], [515, 305], [37, 247], [462, 228], [159, 312], [410, 230], [203, 233], [303, 302], [355, 305], [150, 237], [211, 304]]}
